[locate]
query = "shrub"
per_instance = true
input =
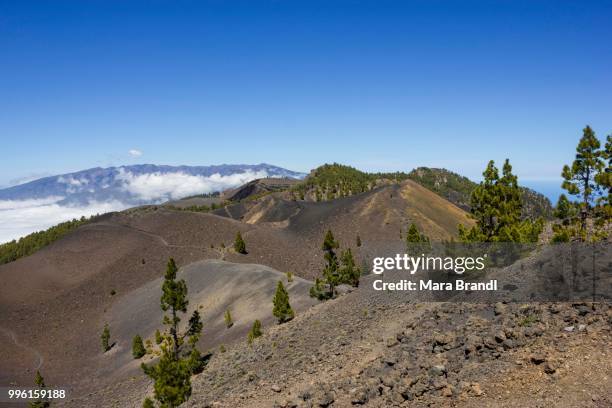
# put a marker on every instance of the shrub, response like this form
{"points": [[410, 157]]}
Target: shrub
{"points": [[228, 319], [255, 331], [239, 245], [528, 320], [31, 243], [138, 349], [105, 337]]}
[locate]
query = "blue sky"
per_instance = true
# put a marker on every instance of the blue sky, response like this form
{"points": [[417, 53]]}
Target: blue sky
{"points": [[381, 85]]}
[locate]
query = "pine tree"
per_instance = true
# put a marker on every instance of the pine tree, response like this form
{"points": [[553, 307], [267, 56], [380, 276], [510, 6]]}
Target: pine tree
{"points": [[318, 290], [580, 178], [413, 236], [282, 309], [496, 207], [171, 373], [171, 378], [148, 403], [195, 362], [40, 383], [416, 242], [510, 205], [485, 205], [174, 298], [138, 349], [604, 179], [565, 210], [228, 319], [158, 337], [331, 274], [105, 337], [349, 272], [239, 245], [255, 331]]}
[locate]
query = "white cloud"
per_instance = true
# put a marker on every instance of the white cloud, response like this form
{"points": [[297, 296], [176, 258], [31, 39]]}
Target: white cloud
{"points": [[22, 217], [135, 152], [164, 186], [73, 185], [7, 205]]}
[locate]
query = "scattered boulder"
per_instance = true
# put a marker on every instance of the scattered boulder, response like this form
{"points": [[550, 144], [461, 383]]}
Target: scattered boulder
{"points": [[500, 309], [358, 396], [437, 370], [537, 358]]}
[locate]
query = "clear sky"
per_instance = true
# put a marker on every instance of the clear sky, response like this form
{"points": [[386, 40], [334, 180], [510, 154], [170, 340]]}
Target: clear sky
{"points": [[381, 85]]}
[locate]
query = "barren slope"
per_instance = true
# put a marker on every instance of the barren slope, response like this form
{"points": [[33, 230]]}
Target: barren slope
{"points": [[54, 303]]}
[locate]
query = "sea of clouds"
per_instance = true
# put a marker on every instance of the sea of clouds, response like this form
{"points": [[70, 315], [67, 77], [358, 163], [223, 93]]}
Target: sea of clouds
{"points": [[22, 217], [158, 187]]}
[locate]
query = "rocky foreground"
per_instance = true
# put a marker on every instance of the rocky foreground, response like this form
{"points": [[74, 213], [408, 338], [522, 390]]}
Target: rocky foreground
{"points": [[388, 352], [385, 350]]}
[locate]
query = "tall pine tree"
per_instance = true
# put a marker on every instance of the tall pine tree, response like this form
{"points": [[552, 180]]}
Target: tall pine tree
{"points": [[496, 207], [349, 271], [325, 288], [604, 178], [171, 373], [174, 299], [580, 177]]}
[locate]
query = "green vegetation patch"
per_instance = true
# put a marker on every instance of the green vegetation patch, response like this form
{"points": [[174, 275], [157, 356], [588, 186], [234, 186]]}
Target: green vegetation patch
{"points": [[11, 251]]}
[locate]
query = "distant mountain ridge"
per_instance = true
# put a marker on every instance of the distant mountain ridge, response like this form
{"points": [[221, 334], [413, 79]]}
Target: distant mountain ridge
{"points": [[141, 184]]}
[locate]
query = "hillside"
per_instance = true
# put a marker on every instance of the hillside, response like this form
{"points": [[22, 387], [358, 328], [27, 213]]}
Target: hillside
{"points": [[383, 349], [331, 181], [457, 189], [68, 288], [109, 270]]}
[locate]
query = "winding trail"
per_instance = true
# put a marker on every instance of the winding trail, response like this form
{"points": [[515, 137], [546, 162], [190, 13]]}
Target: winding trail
{"points": [[15, 340]]}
